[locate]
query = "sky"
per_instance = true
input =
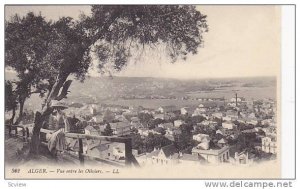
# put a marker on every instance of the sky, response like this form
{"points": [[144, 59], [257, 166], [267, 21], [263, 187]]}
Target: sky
{"points": [[243, 41]]}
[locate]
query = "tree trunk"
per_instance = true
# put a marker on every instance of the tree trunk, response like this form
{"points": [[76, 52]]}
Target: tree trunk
{"points": [[40, 117], [22, 101], [13, 116], [35, 139]]}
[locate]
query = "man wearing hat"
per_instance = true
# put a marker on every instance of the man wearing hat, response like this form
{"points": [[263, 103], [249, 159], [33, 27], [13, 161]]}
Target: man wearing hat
{"points": [[57, 142], [60, 117]]}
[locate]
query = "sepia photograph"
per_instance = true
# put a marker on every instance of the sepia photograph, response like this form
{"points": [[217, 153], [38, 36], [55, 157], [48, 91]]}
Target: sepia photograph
{"points": [[142, 91]]}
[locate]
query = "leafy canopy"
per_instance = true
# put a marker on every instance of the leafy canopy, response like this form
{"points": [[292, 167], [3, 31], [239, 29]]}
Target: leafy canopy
{"points": [[39, 50], [26, 44], [125, 28]]}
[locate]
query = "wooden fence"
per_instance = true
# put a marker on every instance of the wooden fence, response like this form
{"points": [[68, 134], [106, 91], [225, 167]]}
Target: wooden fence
{"points": [[129, 158]]}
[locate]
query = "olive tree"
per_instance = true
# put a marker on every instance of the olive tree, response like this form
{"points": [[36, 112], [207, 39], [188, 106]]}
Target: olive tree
{"points": [[26, 44], [114, 33]]}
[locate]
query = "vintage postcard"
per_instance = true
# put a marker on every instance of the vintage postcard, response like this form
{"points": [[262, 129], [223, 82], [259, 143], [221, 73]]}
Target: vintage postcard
{"points": [[142, 91]]}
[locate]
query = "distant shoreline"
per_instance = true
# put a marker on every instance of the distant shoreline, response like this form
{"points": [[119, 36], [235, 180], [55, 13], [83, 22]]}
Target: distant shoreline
{"points": [[12, 74]]}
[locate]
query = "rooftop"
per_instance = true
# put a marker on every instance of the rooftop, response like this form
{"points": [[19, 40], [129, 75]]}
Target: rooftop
{"points": [[119, 125], [210, 151]]}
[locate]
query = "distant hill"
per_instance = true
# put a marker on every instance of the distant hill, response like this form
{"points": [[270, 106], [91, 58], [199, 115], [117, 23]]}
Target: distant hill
{"points": [[161, 86], [106, 89]]}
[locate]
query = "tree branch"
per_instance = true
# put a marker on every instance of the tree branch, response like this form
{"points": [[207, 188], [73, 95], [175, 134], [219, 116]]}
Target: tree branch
{"points": [[60, 80], [64, 91], [99, 34]]}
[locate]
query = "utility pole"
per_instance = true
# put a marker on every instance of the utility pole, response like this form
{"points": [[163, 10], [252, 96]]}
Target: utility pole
{"points": [[236, 103]]}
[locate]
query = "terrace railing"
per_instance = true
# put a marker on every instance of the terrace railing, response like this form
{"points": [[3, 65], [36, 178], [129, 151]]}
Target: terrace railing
{"points": [[129, 158]]}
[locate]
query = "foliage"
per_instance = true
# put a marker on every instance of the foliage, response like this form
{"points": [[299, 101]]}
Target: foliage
{"points": [[108, 116], [127, 29], [137, 142], [26, 44], [154, 123], [39, 50], [28, 117], [107, 130], [44, 51], [184, 141], [160, 130], [145, 118], [134, 130], [155, 140], [186, 128], [148, 143], [243, 126], [69, 50], [246, 141]]}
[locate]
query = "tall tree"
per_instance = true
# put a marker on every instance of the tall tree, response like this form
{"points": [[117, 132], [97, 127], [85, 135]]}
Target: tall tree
{"points": [[26, 44], [114, 33], [184, 140]]}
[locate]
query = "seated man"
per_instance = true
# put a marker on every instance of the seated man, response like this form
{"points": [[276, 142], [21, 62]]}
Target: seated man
{"points": [[57, 141]]}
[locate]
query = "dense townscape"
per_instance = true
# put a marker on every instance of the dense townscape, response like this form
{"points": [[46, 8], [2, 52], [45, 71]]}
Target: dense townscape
{"points": [[213, 131]]}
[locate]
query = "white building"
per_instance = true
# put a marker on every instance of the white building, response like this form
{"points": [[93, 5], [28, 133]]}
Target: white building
{"points": [[241, 158], [239, 99], [228, 125], [187, 110], [214, 156], [178, 123], [217, 115], [120, 128], [269, 145], [118, 152], [201, 137], [166, 155], [226, 118]]}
